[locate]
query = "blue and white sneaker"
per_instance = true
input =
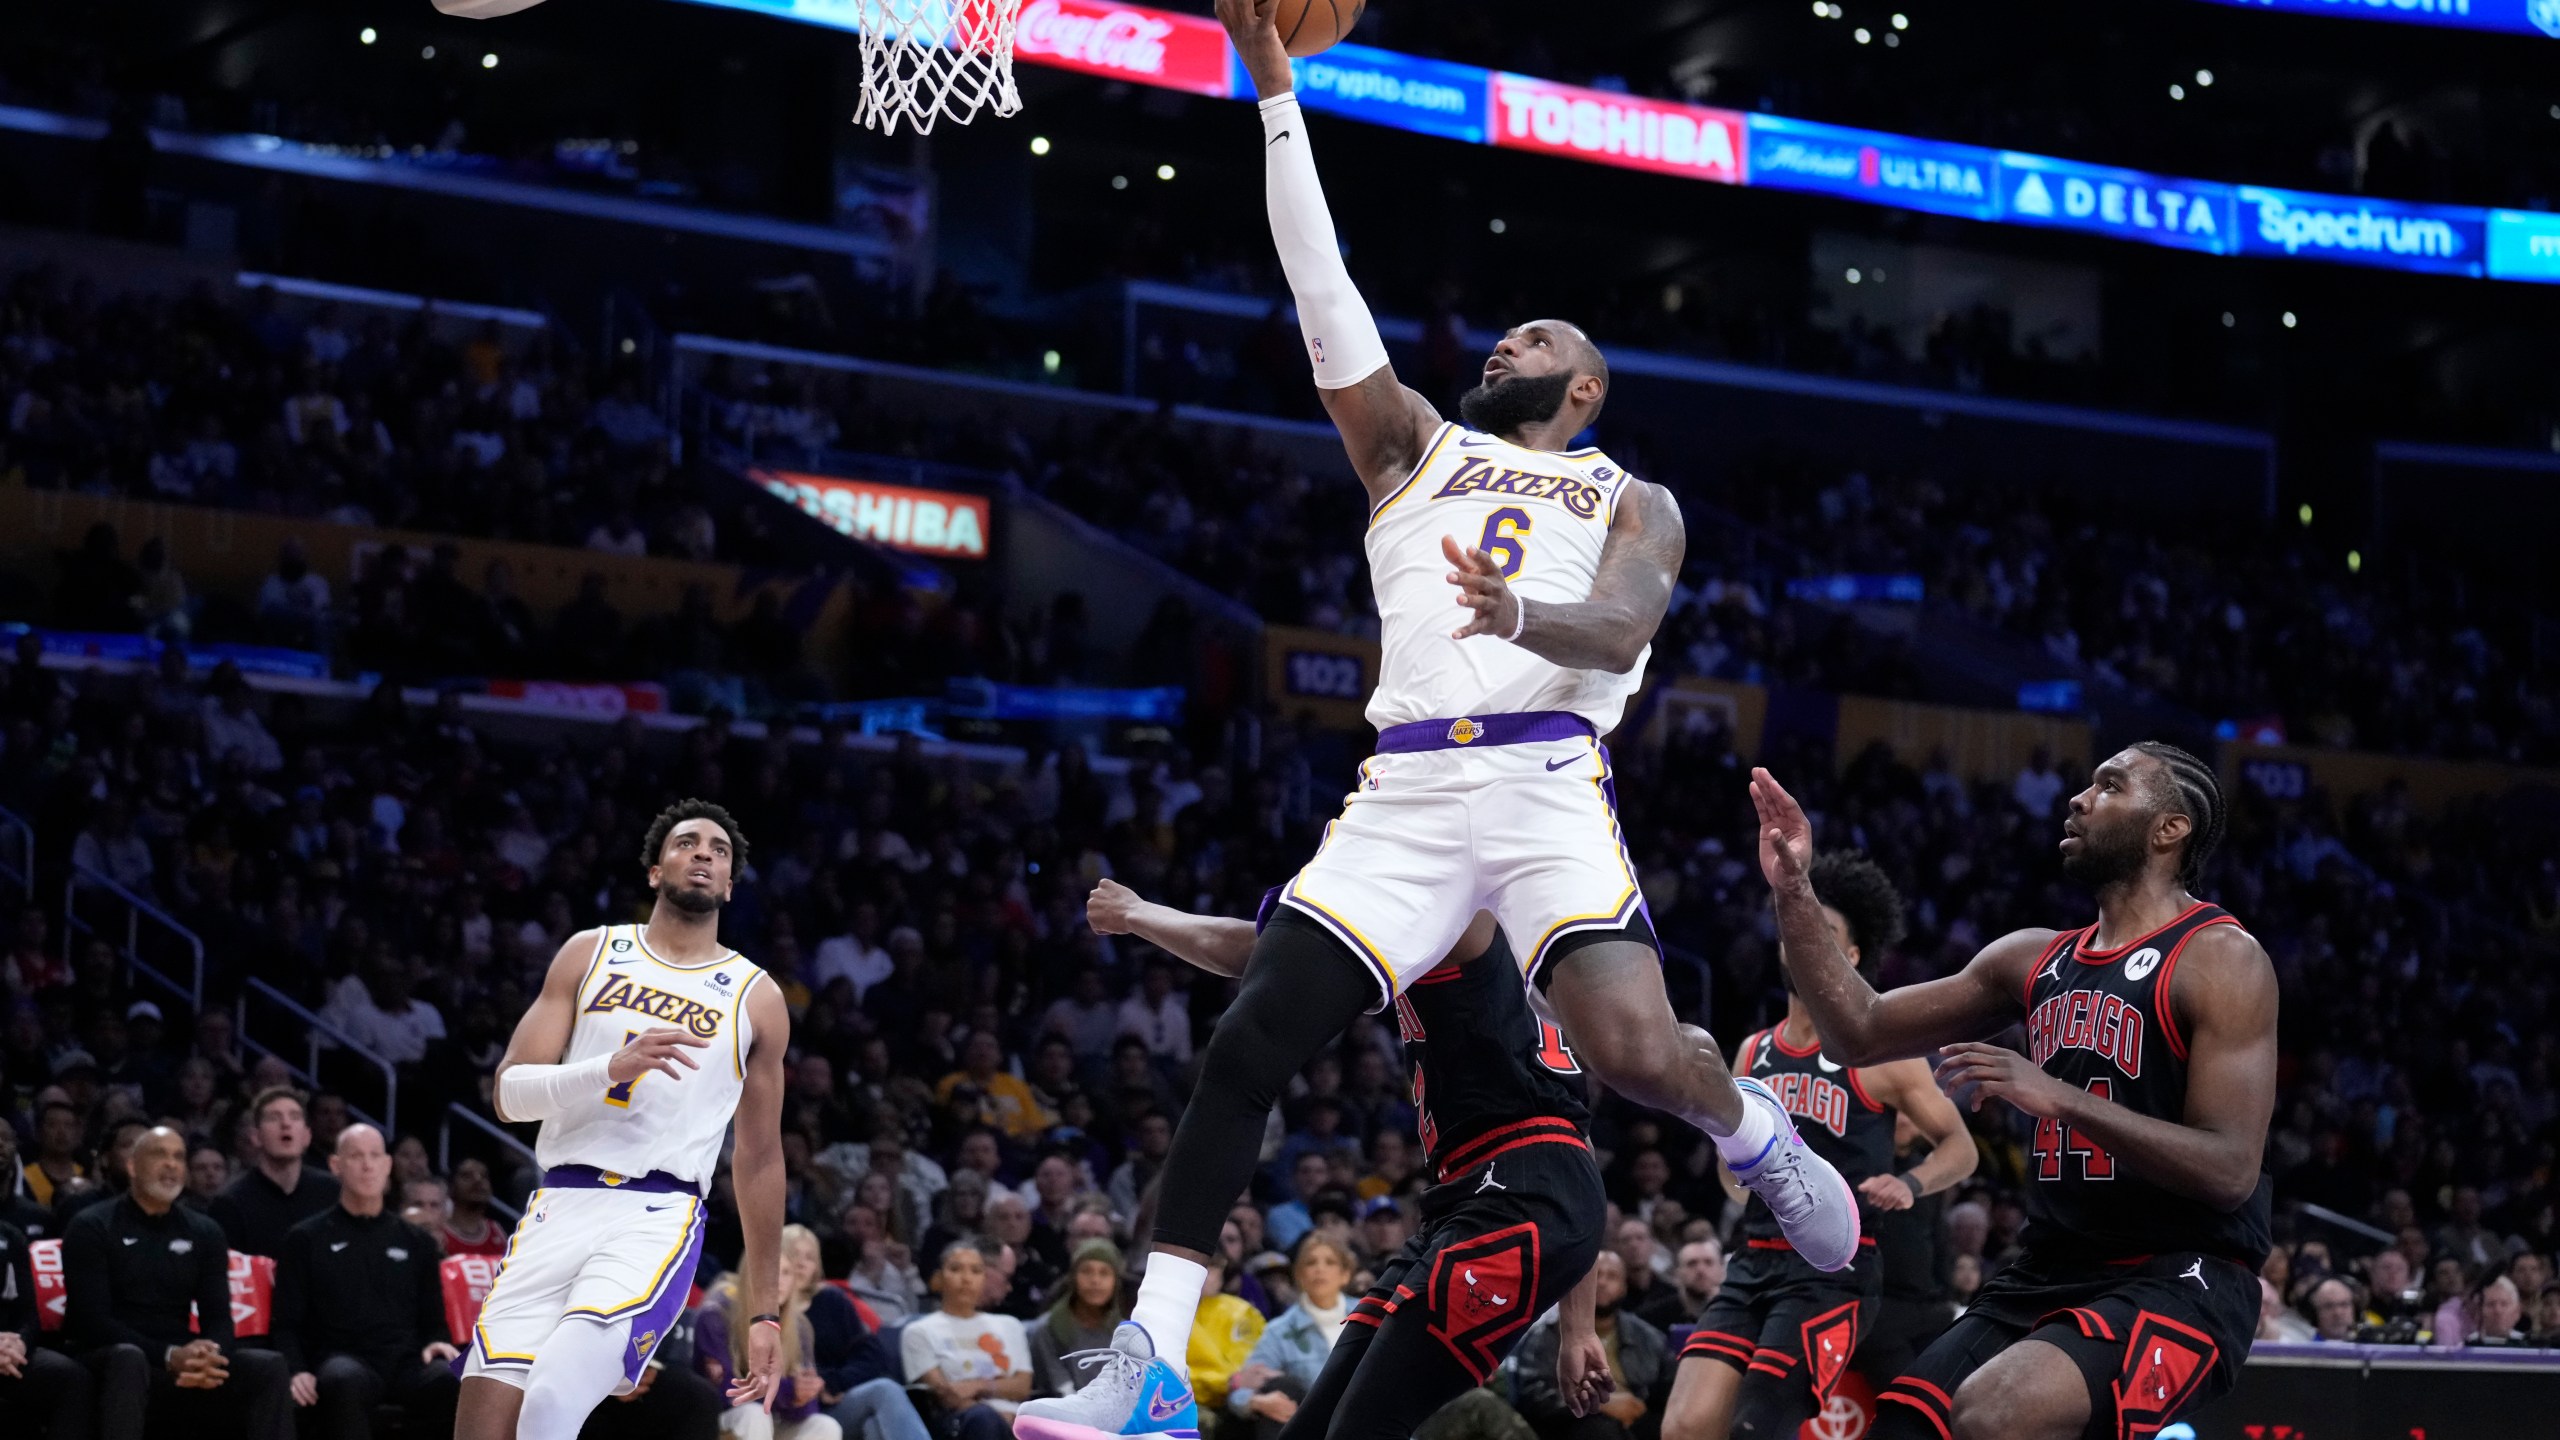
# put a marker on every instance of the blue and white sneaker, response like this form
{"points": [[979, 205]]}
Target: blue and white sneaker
{"points": [[1134, 1393], [1811, 1200]]}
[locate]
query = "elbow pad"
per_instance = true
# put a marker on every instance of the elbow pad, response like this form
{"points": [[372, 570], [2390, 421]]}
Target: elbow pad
{"points": [[1342, 339], [538, 1092]]}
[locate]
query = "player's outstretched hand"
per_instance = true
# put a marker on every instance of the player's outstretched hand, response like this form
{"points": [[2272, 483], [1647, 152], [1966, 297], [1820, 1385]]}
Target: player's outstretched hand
{"points": [[661, 1050], [1108, 909], [1482, 590], [1786, 836], [1254, 28], [761, 1381]]}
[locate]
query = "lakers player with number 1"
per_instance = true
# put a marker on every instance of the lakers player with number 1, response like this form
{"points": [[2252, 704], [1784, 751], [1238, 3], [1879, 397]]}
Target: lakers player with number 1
{"points": [[1519, 582], [646, 1044]]}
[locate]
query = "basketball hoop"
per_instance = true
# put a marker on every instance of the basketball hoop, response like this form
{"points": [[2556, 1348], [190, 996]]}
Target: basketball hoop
{"points": [[923, 60]]}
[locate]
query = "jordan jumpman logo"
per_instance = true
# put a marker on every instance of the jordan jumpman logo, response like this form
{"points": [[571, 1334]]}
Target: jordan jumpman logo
{"points": [[1489, 1183]]}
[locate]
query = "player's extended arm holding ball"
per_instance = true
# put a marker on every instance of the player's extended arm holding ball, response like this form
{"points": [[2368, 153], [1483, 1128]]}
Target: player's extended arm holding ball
{"points": [[1384, 425]]}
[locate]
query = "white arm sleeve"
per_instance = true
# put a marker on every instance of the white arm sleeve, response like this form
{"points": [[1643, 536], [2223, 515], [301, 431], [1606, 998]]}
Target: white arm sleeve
{"points": [[538, 1092], [1342, 340]]}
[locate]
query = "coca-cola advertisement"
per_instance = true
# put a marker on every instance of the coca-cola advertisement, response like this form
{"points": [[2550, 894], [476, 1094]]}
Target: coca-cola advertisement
{"points": [[1130, 42]]}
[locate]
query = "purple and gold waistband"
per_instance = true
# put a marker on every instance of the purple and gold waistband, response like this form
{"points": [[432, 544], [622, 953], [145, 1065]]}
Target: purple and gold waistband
{"points": [[1470, 732], [588, 1177]]}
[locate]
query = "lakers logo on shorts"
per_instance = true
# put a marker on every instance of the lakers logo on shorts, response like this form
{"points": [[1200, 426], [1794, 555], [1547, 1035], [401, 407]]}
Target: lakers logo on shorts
{"points": [[1463, 731], [610, 1178]]}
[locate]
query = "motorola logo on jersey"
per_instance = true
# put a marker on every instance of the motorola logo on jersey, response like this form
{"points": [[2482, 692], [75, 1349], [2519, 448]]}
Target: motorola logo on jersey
{"points": [[1477, 474], [2088, 1020], [1811, 1097], [621, 993], [2141, 962]]}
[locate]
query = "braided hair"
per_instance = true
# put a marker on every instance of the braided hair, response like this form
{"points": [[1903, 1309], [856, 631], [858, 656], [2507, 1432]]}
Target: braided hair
{"points": [[1857, 887], [2198, 796]]}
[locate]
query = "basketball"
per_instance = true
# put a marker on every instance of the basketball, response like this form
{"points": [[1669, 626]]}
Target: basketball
{"points": [[1311, 27]]}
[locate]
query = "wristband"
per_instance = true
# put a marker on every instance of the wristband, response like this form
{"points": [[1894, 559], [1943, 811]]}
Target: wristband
{"points": [[1521, 624], [1911, 1179], [773, 1320]]}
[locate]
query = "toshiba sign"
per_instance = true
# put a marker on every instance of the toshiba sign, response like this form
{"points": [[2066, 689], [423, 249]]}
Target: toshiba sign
{"points": [[1152, 47], [902, 517], [1615, 129]]}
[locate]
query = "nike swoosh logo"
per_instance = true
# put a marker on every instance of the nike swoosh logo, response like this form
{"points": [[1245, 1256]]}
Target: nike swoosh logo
{"points": [[1560, 764], [625, 960], [1827, 1063], [1478, 444], [1276, 139], [654, 1209]]}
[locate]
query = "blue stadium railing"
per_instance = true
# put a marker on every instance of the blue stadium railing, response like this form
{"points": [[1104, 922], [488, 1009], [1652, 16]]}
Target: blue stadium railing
{"points": [[315, 1031], [141, 919]]}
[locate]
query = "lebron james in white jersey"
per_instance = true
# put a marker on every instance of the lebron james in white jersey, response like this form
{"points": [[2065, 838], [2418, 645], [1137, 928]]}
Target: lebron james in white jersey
{"points": [[1519, 582], [648, 1041]]}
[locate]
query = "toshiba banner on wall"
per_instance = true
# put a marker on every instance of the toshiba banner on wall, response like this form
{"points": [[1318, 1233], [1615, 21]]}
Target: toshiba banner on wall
{"points": [[1614, 129], [948, 523]]}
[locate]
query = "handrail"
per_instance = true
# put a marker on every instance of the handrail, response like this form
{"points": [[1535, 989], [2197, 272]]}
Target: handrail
{"points": [[314, 1027], [18, 853], [456, 1110], [84, 878]]}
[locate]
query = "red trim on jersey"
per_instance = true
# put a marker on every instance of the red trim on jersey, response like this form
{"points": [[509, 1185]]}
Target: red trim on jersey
{"points": [[1768, 1369], [1538, 1130], [1785, 1244], [1934, 1393], [1439, 975], [1780, 1356], [1547, 1138], [1717, 1345], [2027, 996], [1361, 1317], [2160, 1007], [2090, 955], [1860, 1086], [1810, 1334], [1778, 1036], [1925, 1413]]}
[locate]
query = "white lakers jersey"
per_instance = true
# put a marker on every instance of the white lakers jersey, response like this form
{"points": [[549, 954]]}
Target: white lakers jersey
{"points": [[655, 1122], [1542, 516]]}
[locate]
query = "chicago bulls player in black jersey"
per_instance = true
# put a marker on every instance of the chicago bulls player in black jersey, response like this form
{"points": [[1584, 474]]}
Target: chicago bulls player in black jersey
{"points": [[1511, 1222], [2153, 1075], [1769, 1348]]}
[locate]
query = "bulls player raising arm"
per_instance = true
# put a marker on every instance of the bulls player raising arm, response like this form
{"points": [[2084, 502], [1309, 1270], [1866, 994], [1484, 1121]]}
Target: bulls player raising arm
{"points": [[2130, 836]]}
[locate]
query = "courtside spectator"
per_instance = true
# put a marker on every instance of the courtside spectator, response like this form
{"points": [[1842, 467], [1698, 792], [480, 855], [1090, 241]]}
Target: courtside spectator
{"points": [[978, 1366], [132, 1271], [359, 1309], [860, 1384], [43, 1390], [720, 1352], [1265, 1393], [1223, 1334], [280, 1190], [1080, 1321], [1638, 1355]]}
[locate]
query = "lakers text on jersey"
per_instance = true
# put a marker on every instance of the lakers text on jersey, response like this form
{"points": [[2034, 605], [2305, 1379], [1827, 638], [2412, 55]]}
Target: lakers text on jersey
{"points": [[615, 1232], [1490, 790]]}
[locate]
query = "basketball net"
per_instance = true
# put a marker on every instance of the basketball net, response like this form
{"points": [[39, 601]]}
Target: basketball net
{"points": [[923, 60]]}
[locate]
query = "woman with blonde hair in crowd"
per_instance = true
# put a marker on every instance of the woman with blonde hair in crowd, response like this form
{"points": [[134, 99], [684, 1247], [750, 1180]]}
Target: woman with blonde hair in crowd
{"points": [[720, 1351], [1292, 1351]]}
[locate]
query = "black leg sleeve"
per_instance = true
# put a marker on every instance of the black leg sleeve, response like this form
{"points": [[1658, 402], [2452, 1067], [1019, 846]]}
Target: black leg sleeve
{"points": [[1301, 987]]}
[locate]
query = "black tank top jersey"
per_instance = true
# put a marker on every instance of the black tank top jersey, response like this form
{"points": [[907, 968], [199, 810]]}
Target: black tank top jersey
{"points": [[2101, 1020], [1832, 1111], [1496, 1076]]}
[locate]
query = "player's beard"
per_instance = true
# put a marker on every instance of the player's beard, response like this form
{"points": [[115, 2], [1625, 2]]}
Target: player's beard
{"points": [[1501, 407], [2107, 858], [689, 900]]}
